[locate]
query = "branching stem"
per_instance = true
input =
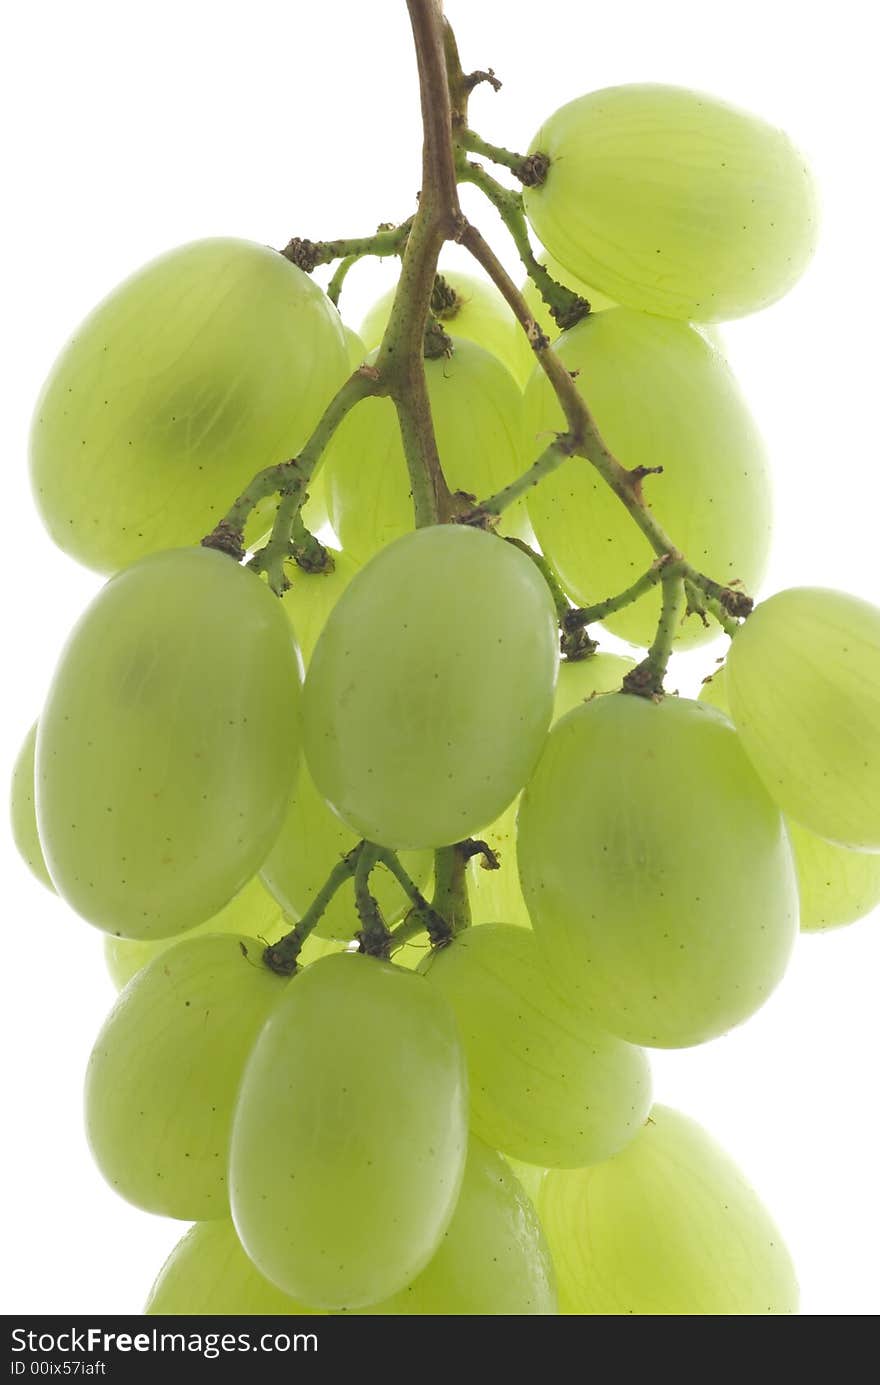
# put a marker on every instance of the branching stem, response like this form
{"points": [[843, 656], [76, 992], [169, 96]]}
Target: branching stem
{"points": [[374, 936], [646, 679], [290, 480], [283, 956], [308, 254], [530, 169]]}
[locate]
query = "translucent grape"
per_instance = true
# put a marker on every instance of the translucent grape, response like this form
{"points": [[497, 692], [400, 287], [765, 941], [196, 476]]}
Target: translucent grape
{"points": [[311, 842], [22, 811], [125, 957], [523, 357], [410, 954], [656, 869], [431, 688], [546, 1086], [479, 314], [316, 515], [803, 677], [714, 690], [674, 202], [168, 745], [477, 409], [163, 1075], [668, 1227], [529, 1176], [253, 912], [493, 1260], [497, 894], [355, 348], [349, 1140], [713, 497], [205, 366], [580, 680], [836, 885], [312, 596], [208, 1274]]}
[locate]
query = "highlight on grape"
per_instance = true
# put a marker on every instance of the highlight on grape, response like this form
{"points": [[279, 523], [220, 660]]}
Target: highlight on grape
{"points": [[339, 766]]}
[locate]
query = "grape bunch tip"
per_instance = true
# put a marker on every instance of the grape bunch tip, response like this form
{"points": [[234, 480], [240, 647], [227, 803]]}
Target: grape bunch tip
{"points": [[399, 871]]}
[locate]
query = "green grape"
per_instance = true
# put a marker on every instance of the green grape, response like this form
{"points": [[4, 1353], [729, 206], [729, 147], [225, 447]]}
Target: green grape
{"points": [[349, 1139], [125, 957], [803, 677], [354, 347], [410, 954], [493, 1260], [431, 688], [168, 744], [208, 1274], [162, 1079], [546, 1086], [713, 497], [668, 1227], [311, 842], [714, 690], [497, 894], [253, 912], [479, 313], [315, 947], [523, 357], [22, 811], [477, 409], [674, 202], [656, 869], [312, 596], [207, 365], [315, 514], [529, 1176], [836, 885], [580, 680]]}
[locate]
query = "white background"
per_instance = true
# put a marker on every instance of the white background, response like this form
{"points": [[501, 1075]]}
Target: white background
{"points": [[132, 129]]}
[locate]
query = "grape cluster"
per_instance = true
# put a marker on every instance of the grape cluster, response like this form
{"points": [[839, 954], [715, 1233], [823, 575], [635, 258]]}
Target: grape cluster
{"points": [[369, 1100]]}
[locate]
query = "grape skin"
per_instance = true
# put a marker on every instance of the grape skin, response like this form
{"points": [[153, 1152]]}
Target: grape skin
{"points": [[668, 1227], [497, 894], [252, 913], [546, 1085], [164, 763], [349, 1140], [164, 1072], [836, 886], [461, 715], [312, 596], [208, 1274], [493, 1259], [656, 870], [477, 411], [205, 366], [481, 316], [803, 679], [311, 842], [713, 497], [23, 812], [674, 202]]}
